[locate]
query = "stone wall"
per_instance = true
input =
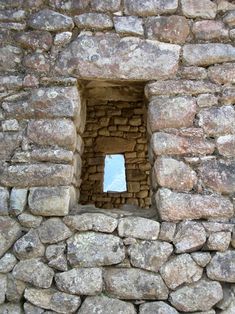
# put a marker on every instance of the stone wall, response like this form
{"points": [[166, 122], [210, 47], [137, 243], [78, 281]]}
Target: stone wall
{"points": [[114, 128], [58, 256]]}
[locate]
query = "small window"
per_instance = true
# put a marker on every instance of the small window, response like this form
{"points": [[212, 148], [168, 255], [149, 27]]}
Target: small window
{"points": [[114, 174]]}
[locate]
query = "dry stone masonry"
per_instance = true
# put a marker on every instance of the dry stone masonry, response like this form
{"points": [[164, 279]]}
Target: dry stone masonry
{"points": [[153, 80]]}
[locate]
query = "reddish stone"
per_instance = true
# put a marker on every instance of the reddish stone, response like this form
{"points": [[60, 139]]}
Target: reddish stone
{"points": [[193, 73], [173, 29], [222, 74], [37, 62], [35, 40], [228, 95], [210, 30], [226, 145]]}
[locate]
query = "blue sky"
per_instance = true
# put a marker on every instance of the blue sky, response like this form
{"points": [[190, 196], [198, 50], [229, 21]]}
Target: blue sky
{"points": [[114, 173]]}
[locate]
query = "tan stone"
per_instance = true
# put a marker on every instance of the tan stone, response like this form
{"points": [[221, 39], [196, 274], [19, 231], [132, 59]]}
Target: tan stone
{"points": [[222, 74], [205, 9], [111, 145]]}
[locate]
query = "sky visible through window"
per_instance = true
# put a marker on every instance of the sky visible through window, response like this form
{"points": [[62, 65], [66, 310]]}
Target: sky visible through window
{"points": [[114, 173]]}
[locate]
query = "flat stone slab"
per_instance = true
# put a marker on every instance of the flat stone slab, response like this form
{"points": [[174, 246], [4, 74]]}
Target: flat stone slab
{"points": [[108, 56]]}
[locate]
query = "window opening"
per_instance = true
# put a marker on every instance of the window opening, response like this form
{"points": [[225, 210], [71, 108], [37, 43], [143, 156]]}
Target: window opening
{"points": [[114, 174]]}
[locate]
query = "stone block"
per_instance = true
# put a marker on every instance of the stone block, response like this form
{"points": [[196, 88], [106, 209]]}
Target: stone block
{"points": [[178, 206], [167, 231], [10, 231], [18, 200], [205, 9], [208, 54], [219, 241], [49, 201], [171, 144], [55, 254], [138, 284], [190, 236], [7, 262], [103, 6], [36, 175], [222, 267], [53, 230], [80, 281], [172, 29], [226, 145], [193, 73], [131, 25], [10, 58], [118, 58], [112, 145], [210, 30], [201, 258], [177, 112], [105, 305], [157, 307], [179, 270], [97, 21], [53, 133], [35, 272], [222, 73], [177, 87], [138, 227], [199, 296], [149, 255], [9, 142], [29, 221], [93, 249], [34, 40], [150, 7], [207, 100], [91, 221], [217, 120], [3, 287], [229, 18], [174, 174], [4, 201], [48, 20], [15, 289], [218, 175], [228, 95], [62, 39]]}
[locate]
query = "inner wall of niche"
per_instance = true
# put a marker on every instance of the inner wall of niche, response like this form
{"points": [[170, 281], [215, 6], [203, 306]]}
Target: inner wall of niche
{"points": [[115, 124]]}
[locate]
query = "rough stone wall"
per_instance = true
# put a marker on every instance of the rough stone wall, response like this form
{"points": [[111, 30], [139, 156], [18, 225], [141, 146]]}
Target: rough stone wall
{"points": [[60, 257], [115, 128]]}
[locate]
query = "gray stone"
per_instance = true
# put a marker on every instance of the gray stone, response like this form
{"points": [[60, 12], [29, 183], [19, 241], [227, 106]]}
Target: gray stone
{"points": [[10, 231], [218, 241], [199, 296], [222, 73], [131, 25], [18, 200], [167, 231], [93, 249], [53, 230], [138, 227], [103, 6], [10, 308], [157, 307], [150, 7], [36, 175], [49, 201], [60, 133], [207, 100], [50, 102], [34, 272], [7, 262], [230, 309], [4, 201], [228, 95], [29, 221], [97, 21], [81, 281], [218, 120], [118, 58], [12, 15], [177, 87], [56, 256], [49, 20], [218, 175], [103, 304], [177, 112], [31, 309], [179, 270], [34, 40], [210, 30], [174, 174], [230, 18], [222, 266], [201, 258], [134, 284], [11, 125], [226, 145], [29, 246], [207, 54], [91, 221], [178, 206], [62, 39], [3, 287], [190, 236], [211, 226], [205, 9], [9, 142], [15, 289], [53, 300], [193, 73], [149, 255], [10, 58]]}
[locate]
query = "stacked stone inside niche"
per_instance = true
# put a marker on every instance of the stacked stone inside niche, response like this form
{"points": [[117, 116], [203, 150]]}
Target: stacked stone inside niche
{"points": [[116, 124]]}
